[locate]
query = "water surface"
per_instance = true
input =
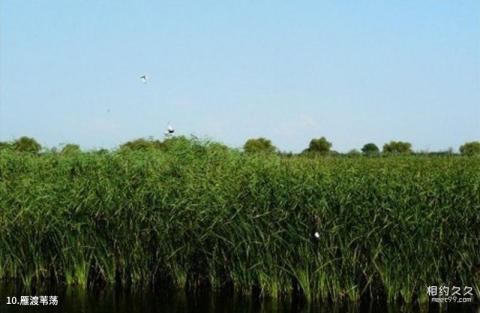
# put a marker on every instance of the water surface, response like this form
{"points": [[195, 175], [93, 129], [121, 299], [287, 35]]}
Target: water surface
{"points": [[75, 300]]}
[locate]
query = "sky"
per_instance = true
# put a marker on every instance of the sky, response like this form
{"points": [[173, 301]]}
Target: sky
{"points": [[352, 71]]}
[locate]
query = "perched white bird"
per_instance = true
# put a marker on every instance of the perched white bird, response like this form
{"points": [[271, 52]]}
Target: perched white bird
{"points": [[169, 131], [317, 235], [144, 78]]}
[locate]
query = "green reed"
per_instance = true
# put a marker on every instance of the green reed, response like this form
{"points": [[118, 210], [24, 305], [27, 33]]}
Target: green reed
{"points": [[199, 215]]}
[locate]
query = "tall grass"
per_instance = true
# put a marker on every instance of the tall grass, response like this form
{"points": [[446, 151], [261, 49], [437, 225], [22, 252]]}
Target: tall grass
{"points": [[199, 215]]}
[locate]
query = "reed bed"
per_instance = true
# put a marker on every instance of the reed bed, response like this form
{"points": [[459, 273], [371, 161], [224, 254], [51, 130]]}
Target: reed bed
{"points": [[202, 216]]}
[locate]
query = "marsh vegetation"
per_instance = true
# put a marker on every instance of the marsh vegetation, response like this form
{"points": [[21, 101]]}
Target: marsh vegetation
{"points": [[200, 215]]}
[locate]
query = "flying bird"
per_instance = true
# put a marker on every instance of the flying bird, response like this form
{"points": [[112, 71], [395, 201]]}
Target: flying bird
{"points": [[144, 78]]}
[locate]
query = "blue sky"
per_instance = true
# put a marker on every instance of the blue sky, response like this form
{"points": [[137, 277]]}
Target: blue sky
{"points": [[353, 71]]}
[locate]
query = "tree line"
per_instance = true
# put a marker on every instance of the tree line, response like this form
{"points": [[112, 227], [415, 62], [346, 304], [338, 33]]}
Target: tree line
{"points": [[321, 146], [317, 146]]}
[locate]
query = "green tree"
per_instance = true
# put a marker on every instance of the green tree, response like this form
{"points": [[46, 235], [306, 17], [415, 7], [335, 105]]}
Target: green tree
{"points": [[370, 149], [70, 149], [27, 144], [141, 144], [397, 147], [470, 148], [255, 145], [319, 145]]}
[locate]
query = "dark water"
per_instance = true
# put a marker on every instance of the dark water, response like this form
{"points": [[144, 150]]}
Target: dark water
{"points": [[74, 300]]}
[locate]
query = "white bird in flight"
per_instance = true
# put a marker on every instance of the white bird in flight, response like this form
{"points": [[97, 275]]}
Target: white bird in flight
{"points": [[144, 78]]}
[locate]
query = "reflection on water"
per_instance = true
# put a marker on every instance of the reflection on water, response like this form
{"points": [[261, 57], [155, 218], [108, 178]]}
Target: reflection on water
{"points": [[74, 300]]}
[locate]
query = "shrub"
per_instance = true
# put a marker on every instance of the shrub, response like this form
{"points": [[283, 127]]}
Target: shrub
{"points": [[319, 145], [27, 144], [256, 145], [370, 149], [470, 148], [397, 147], [70, 148], [354, 152], [141, 144]]}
